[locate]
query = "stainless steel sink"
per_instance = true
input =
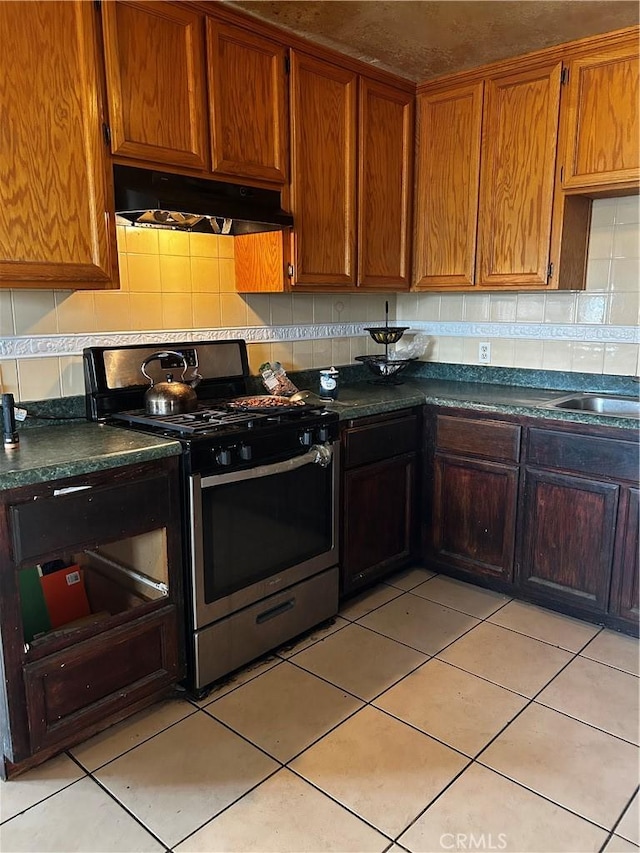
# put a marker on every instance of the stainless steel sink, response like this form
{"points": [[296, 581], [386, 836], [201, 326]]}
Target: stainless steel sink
{"points": [[599, 404]]}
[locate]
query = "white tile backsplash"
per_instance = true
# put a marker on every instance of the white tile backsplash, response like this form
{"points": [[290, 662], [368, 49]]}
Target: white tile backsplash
{"points": [[610, 299], [172, 280]]}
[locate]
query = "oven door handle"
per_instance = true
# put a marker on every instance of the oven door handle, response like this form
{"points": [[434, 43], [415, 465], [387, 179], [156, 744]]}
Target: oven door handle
{"points": [[318, 454]]}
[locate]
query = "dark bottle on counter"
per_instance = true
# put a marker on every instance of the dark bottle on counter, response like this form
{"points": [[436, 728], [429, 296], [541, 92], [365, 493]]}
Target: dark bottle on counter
{"points": [[10, 437]]}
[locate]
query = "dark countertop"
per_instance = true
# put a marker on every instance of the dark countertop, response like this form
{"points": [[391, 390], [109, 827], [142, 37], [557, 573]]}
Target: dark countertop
{"points": [[54, 452], [75, 448], [363, 399]]}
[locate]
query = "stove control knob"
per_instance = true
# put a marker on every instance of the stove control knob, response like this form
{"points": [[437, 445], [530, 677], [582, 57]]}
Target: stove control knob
{"points": [[306, 438], [323, 434], [244, 452], [223, 457]]}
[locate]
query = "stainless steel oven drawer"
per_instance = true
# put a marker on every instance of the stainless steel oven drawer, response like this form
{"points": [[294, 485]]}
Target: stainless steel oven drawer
{"points": [[231, 642]]}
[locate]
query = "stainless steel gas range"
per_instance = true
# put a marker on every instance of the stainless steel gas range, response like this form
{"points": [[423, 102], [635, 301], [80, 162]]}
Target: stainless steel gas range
{"points": [[260, 499]]}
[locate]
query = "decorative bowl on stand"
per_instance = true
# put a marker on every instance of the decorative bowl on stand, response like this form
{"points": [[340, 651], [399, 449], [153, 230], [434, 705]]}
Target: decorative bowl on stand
{"points": [[385, 369], [386, 334]]}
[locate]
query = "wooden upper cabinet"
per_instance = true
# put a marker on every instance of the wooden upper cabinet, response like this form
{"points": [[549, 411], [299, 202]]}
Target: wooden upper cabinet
{"points": [[323, 166], [156, 82], [385, 185], [57, 225], [248, 104], [517, 177], [448, 179], [602, 120]]}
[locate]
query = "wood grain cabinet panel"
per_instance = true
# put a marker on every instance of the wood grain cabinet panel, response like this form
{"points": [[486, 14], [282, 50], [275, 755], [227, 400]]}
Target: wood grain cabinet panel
{"points": [[474, 515], [156, 82], [83, 684], [448, 181], [57, 227], [491, 439], [603, 120], [385, 185], [568, 538], [625, 587], [517, 177], [379, 504], [63, 685], [323, 155], [380, 463], [248, 104]]}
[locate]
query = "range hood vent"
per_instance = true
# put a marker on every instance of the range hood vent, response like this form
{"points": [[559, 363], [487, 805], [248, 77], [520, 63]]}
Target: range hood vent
{"points": [[163, 200]]}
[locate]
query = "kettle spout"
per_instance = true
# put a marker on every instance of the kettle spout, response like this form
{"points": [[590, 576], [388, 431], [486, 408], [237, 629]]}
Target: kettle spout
{"points": [[196, 379]]}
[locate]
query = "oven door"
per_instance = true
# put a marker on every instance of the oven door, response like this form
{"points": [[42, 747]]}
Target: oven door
{"points": [[259, 530]]}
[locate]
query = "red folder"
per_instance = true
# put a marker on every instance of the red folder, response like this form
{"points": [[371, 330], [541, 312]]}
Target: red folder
{"points": [[65, 596]]}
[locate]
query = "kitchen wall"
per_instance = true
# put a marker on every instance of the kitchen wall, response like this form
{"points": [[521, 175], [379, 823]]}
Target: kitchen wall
{"points": [[174, 283], [594, 331]]}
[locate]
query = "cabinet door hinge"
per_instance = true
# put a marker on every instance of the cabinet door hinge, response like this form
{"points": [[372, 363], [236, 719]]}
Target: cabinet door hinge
{"points": [[564, 77], [106, 133], [550, 271], [290, 270], [562, 173], [287, 64]]}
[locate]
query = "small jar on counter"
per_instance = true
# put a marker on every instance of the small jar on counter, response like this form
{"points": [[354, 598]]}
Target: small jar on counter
{"points": [[329, 384]]}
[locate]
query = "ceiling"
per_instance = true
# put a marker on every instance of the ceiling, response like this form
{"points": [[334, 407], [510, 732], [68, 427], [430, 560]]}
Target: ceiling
{"points": [[419, 39]]}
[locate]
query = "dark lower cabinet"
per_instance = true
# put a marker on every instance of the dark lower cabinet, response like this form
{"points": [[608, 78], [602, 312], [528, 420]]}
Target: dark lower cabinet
{"points": [[474, 487], [85, 683], [568, 527], [378, 529], [474, 515], [625, 587], [543, 510], [75, 662]]}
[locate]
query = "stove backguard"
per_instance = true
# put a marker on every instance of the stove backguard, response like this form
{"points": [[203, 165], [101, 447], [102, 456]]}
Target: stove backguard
{"points": [[114, 381]]}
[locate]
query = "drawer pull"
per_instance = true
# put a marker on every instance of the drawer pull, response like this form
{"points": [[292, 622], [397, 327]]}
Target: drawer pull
{"points": [[69, 489], [276, 611]]}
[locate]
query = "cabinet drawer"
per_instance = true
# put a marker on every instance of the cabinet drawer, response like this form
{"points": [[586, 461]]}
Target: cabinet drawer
{"points": [[489, 439], [46, 526], [90, 681], [375, 441], [605, 458]]}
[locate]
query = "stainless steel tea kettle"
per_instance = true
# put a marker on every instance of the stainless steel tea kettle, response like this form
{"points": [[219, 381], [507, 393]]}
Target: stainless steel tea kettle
{"points": [[171, 397]]}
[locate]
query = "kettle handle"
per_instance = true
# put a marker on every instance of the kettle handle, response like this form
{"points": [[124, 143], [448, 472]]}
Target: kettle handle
{"points": [[164, 354]]}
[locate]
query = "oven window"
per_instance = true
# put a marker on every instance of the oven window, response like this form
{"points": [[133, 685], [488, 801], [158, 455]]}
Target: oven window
{"points": [[254, 529]]}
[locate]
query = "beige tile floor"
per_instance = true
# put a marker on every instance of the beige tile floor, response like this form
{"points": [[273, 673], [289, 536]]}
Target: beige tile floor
{"points": [[430, 716]]}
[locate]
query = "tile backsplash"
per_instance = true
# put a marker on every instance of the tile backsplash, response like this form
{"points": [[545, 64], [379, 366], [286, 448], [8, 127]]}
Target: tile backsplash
{"points": [[179, 281], [611, 298]]}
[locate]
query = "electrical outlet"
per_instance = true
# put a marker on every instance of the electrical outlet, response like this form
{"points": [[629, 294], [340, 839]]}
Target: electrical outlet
{"points": [[484, 353]]}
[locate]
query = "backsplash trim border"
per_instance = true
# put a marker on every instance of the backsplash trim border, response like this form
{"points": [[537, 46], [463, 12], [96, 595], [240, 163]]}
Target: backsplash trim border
{"points": [[59, 345]]}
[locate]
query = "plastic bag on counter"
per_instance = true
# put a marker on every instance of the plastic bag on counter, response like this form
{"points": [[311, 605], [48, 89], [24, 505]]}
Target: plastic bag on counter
{"points": [[410, 347], [275, 379]]}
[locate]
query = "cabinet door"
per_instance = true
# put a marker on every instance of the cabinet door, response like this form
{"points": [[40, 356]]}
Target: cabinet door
{"points": [[154, 55], [568, 533], [378, 506], [474, 514], [56, 209], [448, 182], [602, 120], [323, 164], [248, 106], [87, 683], [517, 177], [385, 186], [625, 588]]}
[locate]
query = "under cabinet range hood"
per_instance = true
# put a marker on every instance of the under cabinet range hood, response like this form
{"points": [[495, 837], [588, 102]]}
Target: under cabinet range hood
{"points": [[162, 200]]}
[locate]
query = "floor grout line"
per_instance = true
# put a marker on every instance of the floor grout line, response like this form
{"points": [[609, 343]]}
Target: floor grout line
{"points": [[470, 760]]}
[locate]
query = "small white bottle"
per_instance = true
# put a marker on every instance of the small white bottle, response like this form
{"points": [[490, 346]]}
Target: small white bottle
{"points": [[329, 384]]}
